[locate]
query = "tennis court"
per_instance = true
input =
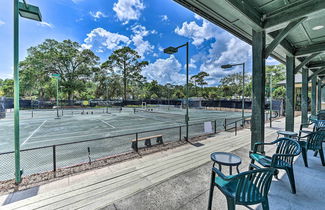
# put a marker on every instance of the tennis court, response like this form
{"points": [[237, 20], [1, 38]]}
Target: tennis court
{"points": [[109, 131]]}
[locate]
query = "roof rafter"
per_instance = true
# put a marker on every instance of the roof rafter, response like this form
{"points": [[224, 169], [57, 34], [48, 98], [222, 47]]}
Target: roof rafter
{"points": [[315, 48], [247, 11], [282, 35], [292, 12], [316, 64], [316, 73], [305, 61]]}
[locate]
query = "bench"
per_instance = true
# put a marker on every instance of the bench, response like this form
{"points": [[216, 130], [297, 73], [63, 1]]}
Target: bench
{"points": [[147, 141]]}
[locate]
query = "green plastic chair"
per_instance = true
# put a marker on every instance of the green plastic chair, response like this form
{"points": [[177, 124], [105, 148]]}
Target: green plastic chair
{"points": [[283, 158], [246, 188], [313, 142]]}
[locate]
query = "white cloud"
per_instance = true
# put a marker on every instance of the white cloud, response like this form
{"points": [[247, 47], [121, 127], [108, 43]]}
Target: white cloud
{"points": [[100, 37], [271, 61], [127, 10], [236, 51], [198, 33], [45, 24], [141, 46], [165, 71], [97, 15], [164, 18], [2, 22]]}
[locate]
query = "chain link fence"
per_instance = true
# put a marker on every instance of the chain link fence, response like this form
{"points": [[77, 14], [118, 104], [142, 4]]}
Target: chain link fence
{"points": [[52, 157]]}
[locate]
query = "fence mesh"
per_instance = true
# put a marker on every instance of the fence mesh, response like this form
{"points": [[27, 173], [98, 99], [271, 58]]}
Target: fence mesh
{"points": [[61, 155]]}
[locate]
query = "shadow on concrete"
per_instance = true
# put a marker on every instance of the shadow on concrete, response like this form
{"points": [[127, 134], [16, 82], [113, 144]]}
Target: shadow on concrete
{"points": [[21, 195]]}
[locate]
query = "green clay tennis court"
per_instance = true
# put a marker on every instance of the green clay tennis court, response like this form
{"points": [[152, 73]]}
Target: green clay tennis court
{"points": [[100, 132]]}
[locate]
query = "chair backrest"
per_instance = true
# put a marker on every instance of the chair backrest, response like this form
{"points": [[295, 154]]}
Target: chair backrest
{"points": [[312, 118], [314, 141], [288, 147], [319, 125], [253, 186]]}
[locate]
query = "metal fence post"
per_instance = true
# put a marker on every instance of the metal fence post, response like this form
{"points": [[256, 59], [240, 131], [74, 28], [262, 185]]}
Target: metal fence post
{"points": [[54, 157], [180, 133], [236, 128], [215, 126], [136, 142]]}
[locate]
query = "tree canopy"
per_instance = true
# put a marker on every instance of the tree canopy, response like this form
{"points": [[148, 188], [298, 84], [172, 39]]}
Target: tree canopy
{"points": [[83, 77]]}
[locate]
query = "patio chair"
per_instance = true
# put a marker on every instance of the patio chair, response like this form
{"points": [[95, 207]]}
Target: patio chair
{"points": [[285, 152], [246, 188], [311, 120], [313, 142]]}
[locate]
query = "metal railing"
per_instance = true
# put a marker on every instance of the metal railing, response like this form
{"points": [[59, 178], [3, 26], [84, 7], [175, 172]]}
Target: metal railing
{"points": [[52, 157]]}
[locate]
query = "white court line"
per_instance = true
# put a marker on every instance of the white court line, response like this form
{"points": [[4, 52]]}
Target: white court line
{"points": [[107, 123], [34, 132]]}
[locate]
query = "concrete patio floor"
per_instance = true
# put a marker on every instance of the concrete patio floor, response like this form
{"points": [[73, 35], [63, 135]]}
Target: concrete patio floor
{"points": [[175, 179]]}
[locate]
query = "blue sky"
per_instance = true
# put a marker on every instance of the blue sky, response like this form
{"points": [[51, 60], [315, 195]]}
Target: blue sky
{"points": [[147, 26]]}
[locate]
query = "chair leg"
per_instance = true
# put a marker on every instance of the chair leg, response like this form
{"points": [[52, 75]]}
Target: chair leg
{"points": [[265, 204], [276, 174], [321, 154], [213, 176], [250, 167], [304, 156], [291, 180], [231, 203]]}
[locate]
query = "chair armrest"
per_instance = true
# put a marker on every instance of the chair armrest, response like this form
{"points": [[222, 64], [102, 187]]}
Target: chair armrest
{"points": [[261, 143], [221, 175], [306, 124], [254, 166], [302, 137]]}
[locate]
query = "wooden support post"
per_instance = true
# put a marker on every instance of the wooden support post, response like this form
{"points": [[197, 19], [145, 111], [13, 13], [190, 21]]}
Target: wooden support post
{"points": [[319, 95], [304, 96], [313, 95], [258, 93], [290, 92]]}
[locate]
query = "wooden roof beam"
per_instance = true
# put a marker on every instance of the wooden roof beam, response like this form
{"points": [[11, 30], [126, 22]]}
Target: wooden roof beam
{"points": [[282, 35], [245, 9], [316, 73], [316, 64], [305, 61], [311, 49], [297, 10]]}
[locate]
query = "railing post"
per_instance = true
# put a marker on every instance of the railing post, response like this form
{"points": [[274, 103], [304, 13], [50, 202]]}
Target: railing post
{"points": [[180, 133], [136, 142], [215, 126], [225, 124], [54, 158], [236, 128]]}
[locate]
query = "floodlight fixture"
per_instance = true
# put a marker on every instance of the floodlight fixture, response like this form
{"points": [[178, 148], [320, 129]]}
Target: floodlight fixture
{"points": [[226, 66], [171, 50], [29, 11]]}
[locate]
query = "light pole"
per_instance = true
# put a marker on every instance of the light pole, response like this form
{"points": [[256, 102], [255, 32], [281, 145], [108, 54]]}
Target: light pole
{"points": [[271, 99], [106, 96], [227, 66], [57, 76], [168, 85], [61, 87], [172, 50], [30, 12]]}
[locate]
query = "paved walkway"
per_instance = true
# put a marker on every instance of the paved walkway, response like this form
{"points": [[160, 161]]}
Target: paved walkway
{"points": [[173, 179]]}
